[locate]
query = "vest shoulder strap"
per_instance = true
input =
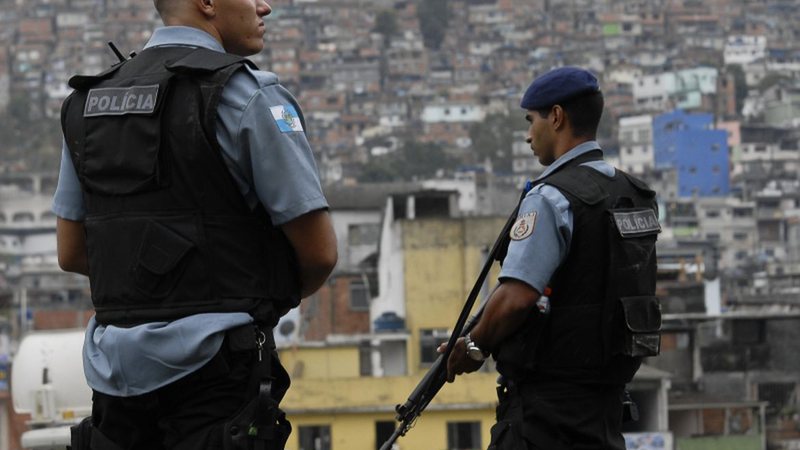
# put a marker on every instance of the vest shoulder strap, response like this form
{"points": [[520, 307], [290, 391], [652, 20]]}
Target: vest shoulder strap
{"points": [[640, 185], [584, 188], [84, 82], [205, 60]]}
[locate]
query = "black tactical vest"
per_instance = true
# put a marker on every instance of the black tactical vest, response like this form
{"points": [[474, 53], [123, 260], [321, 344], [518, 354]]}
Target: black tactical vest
{"points": [[168, 232], [604, 316]]}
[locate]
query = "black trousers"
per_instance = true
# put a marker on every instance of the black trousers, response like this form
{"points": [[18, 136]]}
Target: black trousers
{"points": [[558, 416], [188, 414]]}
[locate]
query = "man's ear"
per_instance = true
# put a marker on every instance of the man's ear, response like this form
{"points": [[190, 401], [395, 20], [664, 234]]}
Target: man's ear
{"points": [[557, 117], [206, 7]]}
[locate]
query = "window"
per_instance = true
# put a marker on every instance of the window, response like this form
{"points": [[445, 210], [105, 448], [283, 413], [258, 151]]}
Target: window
{"points": [[23, 217], [740, 236], [383, 431], [748, 331], [365, 359], [429, 340], [359, 295], [777, 395], [682, 341], [463, 435], [711, 213], [315, 437]]}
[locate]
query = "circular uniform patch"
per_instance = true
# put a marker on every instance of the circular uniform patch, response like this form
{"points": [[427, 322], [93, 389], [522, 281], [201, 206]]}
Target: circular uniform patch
{"points": [[523, 227]]}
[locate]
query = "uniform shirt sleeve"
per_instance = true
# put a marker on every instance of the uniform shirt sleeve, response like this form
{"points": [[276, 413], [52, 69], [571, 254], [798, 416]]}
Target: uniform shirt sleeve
{"points": [[534, 259], [271, 165], [68, 199]]}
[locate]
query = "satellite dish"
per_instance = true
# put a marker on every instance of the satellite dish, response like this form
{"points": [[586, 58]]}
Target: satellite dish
{"points": [[286, 328]]}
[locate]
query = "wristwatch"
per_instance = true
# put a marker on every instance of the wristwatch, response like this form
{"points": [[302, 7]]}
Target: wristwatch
{"points": [[473, 351]]}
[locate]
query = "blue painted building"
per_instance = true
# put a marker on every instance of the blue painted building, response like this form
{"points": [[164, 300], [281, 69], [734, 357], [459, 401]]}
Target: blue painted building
{"points": [[689, 144]]}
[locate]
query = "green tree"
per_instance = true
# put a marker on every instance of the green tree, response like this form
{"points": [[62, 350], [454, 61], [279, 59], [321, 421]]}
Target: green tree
{"points": [[493, 137], [433, 20], [414, 160], [37, 142], [386, 24]]}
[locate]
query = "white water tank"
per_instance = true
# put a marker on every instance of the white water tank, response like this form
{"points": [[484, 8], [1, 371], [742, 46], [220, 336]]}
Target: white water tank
{"points": [[47, 378]]}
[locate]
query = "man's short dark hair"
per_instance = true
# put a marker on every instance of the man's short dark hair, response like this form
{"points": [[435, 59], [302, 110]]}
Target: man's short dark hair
{"points": [[584, 113]]}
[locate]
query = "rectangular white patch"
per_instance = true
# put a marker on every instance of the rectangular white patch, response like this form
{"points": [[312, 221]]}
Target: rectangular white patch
{"points": [[121, 101], [286, 118], [636, 223]]}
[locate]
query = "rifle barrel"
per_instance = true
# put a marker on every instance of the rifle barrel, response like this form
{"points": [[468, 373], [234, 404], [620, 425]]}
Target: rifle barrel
{"points": [[390, 442]]}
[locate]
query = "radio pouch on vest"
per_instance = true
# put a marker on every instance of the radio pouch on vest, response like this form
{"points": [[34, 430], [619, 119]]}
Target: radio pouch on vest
{"points": [[632, 241]]}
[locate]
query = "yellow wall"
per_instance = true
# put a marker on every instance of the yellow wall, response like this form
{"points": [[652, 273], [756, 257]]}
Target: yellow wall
{"points": [[351, 406], [442, 258], [350, 394], [321, 362], [357, 431]]}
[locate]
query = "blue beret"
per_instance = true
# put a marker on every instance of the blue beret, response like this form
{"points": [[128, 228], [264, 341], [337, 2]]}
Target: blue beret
{"points": [[558, 85]]}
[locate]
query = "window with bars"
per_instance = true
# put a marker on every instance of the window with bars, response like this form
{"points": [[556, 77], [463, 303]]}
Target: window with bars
{"points": [[315, 437], [359, 295], [464, 436], [429, 340]]}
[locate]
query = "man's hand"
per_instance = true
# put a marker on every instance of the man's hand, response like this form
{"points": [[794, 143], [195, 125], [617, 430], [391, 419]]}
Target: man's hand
{"points": [[459, 362]]}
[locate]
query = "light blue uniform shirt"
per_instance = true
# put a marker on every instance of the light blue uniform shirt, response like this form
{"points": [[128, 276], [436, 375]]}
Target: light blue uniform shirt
{"points": [[535, 258], [272, 164]]}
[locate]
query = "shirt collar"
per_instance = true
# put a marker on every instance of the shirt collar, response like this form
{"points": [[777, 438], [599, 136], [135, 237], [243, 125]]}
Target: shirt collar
{"points": [[180, 35], [576, 151]]}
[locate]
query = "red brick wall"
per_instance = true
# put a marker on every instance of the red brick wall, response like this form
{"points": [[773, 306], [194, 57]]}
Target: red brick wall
{"points": [[668, 342], [55, 320], [713, 421], [329, 312]]}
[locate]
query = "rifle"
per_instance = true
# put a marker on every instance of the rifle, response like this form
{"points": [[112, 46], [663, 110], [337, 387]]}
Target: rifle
{"points": [[434, 379]]}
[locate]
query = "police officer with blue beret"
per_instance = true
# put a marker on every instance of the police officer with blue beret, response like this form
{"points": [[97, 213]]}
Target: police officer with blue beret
{"points": [[575, 310], [189, 195]]}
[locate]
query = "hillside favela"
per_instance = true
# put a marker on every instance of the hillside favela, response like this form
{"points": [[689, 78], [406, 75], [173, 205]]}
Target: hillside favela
{"points": [[412, 109]]}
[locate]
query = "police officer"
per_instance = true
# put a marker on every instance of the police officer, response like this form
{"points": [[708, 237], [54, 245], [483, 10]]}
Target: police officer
{"points": [[575, 312], [190, 197]]}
